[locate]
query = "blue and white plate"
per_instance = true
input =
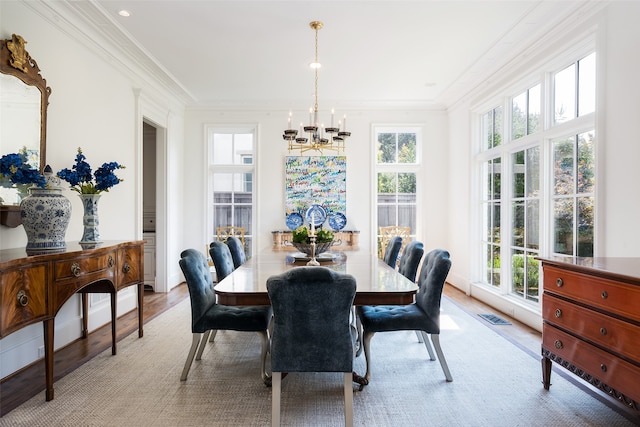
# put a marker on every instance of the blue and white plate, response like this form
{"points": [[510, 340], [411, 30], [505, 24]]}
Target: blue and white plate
{"points": [[337, 221], [294, 220], [319, 215]]}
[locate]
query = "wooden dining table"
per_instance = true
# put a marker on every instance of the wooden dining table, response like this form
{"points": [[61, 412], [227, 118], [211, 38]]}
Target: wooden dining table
{"points": [[377, 282]]}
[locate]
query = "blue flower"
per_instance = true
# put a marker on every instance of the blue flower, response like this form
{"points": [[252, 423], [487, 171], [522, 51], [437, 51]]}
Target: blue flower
{"points": [[16, 168], [81, 179]]}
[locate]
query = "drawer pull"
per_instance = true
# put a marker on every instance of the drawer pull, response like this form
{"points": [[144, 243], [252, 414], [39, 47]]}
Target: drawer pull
{"points": [[558, 313], [126, 267], [559, 282], [604, 294], [23, 299], [558, 344], [112, 261], [75, 269], [603, 331], [603, 367]]}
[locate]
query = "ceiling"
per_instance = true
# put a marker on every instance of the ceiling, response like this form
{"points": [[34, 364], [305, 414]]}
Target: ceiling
{"points": [[390, 54]]}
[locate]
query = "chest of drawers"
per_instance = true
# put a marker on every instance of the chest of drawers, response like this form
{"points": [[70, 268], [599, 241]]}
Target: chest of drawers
{"points": [[591, 315]]}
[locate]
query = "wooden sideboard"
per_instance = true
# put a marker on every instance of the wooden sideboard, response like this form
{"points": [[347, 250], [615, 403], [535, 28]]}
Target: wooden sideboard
{"points": [[343, 240], [33, 287], [591, 314]]}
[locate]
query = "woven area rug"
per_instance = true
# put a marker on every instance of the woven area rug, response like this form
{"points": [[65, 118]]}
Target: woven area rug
{"points": [[495, 384]]}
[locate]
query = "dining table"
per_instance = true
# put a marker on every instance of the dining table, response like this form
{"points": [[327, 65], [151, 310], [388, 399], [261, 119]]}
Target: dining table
{"points": [[377, 282]]}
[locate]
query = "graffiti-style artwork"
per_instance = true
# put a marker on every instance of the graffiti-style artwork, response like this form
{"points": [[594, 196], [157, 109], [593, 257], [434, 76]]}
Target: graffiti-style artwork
{"points": [[320, 180]]}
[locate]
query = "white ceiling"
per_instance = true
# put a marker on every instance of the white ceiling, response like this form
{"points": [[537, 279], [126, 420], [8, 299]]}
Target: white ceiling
{"points": [[405, 54]]}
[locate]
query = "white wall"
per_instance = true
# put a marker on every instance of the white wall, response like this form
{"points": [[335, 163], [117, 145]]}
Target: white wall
{"points": [[93, 105]]}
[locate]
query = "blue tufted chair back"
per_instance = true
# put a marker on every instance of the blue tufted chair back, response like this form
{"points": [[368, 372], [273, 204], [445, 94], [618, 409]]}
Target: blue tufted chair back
{"points": [[237, 251], [410, 259], [311, 330], [196, 271], [433, 275], [392, 251], [222, 259]]}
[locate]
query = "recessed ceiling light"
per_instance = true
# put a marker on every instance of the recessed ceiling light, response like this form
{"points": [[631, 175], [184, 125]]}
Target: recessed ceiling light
{"points": [[124, 13]]}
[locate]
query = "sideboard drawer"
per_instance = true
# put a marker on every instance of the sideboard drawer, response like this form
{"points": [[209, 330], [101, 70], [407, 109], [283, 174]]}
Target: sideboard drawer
{"points": [[23, 297], [599, 364], [81, 267], [130, 266], [614, 297], [613, 334]]}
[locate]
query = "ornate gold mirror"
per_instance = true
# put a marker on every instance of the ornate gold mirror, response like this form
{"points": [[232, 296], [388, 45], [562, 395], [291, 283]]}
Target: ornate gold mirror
{"points": [[24, 97]]}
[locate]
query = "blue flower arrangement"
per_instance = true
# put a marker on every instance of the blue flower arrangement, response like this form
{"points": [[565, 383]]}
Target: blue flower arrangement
{"points": [[16, 168], [82, 180]]}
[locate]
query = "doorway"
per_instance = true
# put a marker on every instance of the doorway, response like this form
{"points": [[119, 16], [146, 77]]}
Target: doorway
{"points": [[149, 209]]}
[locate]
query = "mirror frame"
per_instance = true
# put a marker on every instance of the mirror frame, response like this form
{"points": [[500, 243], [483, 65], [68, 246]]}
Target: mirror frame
{"points": [[16, 61]]}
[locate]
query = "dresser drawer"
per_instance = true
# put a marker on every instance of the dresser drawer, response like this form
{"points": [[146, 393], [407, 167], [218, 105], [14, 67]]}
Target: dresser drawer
{"points": [[615, 297], [66, 270], [130, 266], [613, 334], [23, 297], [621, 375]]}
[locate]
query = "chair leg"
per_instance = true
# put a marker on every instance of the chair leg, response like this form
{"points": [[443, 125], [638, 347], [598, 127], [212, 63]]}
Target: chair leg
{"points": [[195, 340], [203, 343], [348, 400], [436, 343], [425, 340], [213, 335], [266, 378], [359, 339], [366, 342], [275, 398], [419, 335]]}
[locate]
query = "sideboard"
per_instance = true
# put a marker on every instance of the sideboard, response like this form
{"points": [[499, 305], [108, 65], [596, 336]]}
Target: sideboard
{"points": [[591, 315], [343, 240], [33, 287]]}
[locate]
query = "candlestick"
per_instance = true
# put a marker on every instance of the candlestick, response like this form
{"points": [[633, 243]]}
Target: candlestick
{"points": [[344, 123], [332, 111], [310, 116], [289, 124]]}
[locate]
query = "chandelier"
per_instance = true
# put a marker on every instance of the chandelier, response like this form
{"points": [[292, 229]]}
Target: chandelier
{"points": [[314, 135]]}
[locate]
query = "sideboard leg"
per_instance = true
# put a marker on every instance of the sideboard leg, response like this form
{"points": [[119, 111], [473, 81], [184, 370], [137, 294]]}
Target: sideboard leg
{"points": [[546, 372], [140, 309], [114, 297], [85, 315], [48, 357]]}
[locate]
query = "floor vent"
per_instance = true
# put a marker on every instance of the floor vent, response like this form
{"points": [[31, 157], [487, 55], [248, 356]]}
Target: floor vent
{"points": [[494, 320]]}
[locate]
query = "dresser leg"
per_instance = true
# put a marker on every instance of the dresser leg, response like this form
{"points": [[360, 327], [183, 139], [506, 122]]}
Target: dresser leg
{"points": [[140, 309], [48, 357], [85, 315], [546, 372], [114, 297]]}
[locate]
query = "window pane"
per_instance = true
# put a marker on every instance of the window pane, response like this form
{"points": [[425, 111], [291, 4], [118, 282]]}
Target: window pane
{"points": [[386, 148], [387, 183], [406, 148], [407, 183], [563, 226], [532, 231], [497, 127], [407, 216], [386, 215], [533, 118], [487, 130], [517, 272], [565, 94], [496, 223], [587, 85], [222, 216], [222, 149], [518, 174], [585, 226], [496, 178], [495, 265], [517, 224], [586, 166], [243, 143], [242, 216], [563, 165], [532, 172], [519, 116]]}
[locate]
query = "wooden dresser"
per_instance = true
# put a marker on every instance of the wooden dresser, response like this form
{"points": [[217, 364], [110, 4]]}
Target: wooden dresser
{"points": [[591, 314], [33, 287]]}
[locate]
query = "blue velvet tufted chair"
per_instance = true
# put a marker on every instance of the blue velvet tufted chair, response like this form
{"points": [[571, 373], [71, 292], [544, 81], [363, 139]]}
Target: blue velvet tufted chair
{"points": [[423, 315], [207, 315], [391, 252], [410, 259], [237, 251], [311, 328], [222, 260]]}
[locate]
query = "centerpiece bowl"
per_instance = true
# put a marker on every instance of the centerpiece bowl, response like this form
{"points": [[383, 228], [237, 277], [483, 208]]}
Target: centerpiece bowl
{"points": [[306, 247]]}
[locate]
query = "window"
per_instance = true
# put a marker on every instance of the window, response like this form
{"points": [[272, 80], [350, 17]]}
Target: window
{"points": [[537, 194], [231, 172], [396, 177]]}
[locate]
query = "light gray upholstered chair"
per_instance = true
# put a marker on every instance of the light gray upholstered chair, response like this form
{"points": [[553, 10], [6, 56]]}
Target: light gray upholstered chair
{"points": [[311, 328], [207, 315], [423, 315], [391, 252], [237, 251]]}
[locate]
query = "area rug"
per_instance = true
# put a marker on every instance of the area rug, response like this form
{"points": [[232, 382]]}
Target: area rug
{"points": [[495, 384]]}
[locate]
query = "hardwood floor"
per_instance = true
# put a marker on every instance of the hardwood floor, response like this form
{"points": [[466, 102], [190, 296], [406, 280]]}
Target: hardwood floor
{"points": [[29, 381]]}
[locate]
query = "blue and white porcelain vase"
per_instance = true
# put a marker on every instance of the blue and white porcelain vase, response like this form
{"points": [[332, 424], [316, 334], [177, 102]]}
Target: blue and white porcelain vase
{"points": [[90, 218], [45, 216]]}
